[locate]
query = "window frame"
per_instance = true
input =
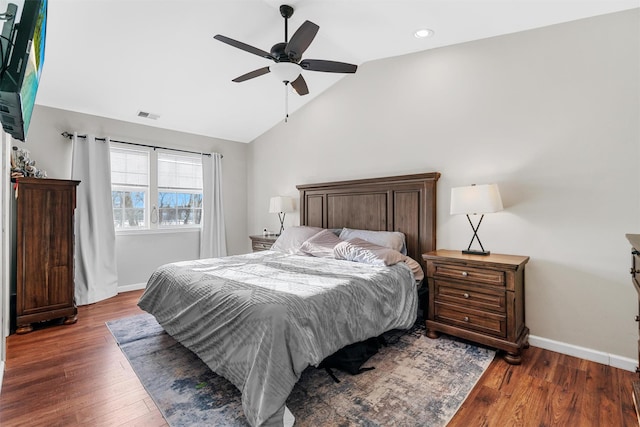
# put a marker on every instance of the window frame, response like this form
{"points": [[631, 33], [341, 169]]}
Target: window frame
{"points": [[152, 208], [146, 189]]}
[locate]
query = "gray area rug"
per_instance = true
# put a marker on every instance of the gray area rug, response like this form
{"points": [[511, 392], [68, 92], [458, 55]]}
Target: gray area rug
{"points": [[416, 381]]}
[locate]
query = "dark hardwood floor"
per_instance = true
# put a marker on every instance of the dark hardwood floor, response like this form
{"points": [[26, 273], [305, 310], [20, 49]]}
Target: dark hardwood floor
{"points": [[77, 376]]}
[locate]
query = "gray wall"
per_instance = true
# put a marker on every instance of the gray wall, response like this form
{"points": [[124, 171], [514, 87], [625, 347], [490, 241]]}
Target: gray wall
{"points": [[551, 115], [139, 254]]}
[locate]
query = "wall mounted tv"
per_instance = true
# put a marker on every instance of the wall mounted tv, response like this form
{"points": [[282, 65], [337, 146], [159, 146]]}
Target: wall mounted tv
{"points": [[22, 46]]}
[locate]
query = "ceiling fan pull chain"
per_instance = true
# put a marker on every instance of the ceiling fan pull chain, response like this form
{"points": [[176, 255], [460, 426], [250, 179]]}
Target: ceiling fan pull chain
{"points": [[286, 103]]}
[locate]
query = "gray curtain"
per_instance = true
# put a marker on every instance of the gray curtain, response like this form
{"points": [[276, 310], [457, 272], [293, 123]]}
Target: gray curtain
{"points": [[96, 276], [213, 240]]}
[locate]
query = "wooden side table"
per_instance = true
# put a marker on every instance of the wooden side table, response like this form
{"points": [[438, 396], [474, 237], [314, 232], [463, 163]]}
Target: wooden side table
{"points": [[478, 298], [262, 243]]}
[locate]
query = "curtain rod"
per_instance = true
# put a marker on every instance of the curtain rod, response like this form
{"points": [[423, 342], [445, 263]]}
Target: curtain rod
{"points": [[70, 135]]}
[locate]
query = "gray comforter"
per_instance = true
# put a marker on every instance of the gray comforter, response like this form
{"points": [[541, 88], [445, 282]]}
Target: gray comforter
{"points": [[260, 319]]}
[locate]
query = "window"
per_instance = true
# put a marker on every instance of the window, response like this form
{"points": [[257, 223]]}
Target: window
{"points": [[153, 189], [179, 190], [130, 188]]}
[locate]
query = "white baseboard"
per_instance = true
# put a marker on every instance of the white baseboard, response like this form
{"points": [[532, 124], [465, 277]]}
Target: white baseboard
{"points": [[584, 353], [132, 287]]}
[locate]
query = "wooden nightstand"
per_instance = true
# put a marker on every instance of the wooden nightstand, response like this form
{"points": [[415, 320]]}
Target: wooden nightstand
{"points": [[262, 243], [478, 298]]}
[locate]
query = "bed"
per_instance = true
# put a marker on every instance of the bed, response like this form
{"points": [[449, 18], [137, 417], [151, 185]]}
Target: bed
{"points": [[260, 319]]}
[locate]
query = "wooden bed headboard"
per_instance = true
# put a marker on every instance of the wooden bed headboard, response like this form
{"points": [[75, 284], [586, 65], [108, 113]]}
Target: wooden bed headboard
{"points": [[401, 203]]}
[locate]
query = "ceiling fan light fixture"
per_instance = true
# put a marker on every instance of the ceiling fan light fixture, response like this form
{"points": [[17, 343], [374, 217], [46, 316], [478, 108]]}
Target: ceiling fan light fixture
{"points": [[285, 71]]}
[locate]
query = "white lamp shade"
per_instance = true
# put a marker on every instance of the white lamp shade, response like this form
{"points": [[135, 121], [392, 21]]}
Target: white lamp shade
{"points": [[279, 204], [285, 71], [476, 199]]}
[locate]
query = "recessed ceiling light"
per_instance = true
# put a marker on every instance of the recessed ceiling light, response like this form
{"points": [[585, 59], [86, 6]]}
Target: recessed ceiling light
{"points": [[423, 33]]}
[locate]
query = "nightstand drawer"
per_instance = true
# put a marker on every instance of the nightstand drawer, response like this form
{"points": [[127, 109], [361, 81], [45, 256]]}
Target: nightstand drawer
{"points": [[261, 246], [470, 296], [262, 243], [467, 274], [480, 321]]}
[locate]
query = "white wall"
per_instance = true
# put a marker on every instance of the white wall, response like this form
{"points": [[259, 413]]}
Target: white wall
{"points": [[138, 255], [551, 115]]}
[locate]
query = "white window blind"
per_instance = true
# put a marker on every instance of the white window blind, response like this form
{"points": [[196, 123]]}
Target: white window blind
{"points": [[180, 172], [129, 167]]}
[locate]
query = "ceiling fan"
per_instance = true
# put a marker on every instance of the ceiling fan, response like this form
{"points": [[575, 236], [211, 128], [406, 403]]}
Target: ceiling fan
{"points": [[287, 56]]}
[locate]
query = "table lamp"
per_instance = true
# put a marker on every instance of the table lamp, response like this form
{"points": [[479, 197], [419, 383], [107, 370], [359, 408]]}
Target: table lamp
{"points": [[281, 205], [473, 200]]}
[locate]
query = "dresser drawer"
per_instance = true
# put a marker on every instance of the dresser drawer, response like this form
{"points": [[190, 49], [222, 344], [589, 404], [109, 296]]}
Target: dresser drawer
{"points": [[480, 298], [467, 274], [475, 320]]}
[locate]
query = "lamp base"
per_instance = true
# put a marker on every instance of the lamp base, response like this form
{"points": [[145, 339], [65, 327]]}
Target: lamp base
{"points": [[472, 252]]}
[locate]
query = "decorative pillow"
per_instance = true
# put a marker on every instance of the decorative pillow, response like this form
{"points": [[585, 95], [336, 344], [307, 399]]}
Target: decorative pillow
{"points": [[293, 237], [321, 244], [359, 250], [390, 239]]}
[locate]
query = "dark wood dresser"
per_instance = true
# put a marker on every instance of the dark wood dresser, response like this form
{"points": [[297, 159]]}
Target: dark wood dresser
{"points": [[45, 287], [262, 243], [478, 298], [634, 239]]}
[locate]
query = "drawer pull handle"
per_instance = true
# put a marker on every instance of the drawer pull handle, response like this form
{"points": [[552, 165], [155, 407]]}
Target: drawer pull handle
{"points": [[633, 271], [637, 318], [466, 295], [465, 274], [466, 318]]}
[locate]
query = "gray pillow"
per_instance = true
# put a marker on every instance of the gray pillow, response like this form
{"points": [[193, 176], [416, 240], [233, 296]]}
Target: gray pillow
{"points": [[321, 244], [359, 250], [390, 239]]}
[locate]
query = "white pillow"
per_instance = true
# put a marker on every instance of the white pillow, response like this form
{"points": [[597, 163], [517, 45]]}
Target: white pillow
{"points": [[390, 239], [321, 244], [293, 237]]}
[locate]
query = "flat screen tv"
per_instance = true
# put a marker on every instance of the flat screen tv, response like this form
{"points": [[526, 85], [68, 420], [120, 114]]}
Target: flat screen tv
{"points": [[22, 50]]}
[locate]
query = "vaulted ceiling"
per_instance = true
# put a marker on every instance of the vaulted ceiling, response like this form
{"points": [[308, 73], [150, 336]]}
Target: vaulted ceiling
{"points": [[115, 58]]}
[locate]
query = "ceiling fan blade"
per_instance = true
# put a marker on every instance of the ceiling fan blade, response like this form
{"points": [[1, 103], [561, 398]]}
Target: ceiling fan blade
{"points": [[300, 86], [251, 74], [327, 66], [243, 46], [301, 40]]}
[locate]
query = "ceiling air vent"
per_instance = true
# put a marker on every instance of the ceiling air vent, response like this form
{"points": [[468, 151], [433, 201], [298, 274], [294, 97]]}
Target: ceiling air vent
{"points": [[147, 115]]}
